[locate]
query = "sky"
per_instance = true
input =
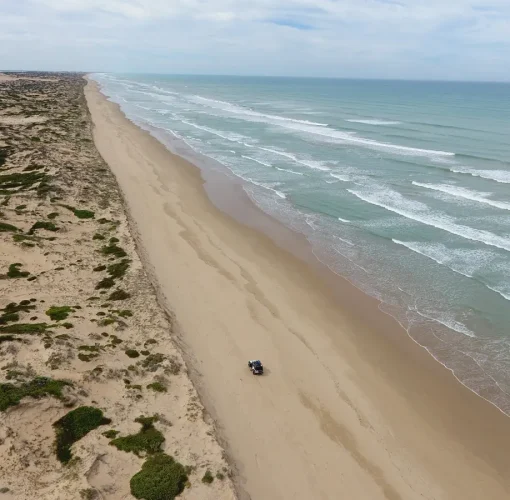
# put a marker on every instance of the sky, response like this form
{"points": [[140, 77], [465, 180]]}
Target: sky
{"points": [[401, 39]]}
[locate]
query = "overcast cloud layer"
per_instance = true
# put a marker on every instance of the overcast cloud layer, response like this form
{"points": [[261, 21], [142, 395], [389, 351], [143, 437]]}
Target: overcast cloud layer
{"points": [[417, 39]]}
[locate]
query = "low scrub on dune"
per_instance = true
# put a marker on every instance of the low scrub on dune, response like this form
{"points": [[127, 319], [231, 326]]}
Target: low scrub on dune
{"points": [[148, 440], [57, 313], [161, 478], [15, 272], [11, 395], [75, 425]]}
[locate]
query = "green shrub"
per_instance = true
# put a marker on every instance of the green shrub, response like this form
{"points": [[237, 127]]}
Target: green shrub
{"points": [[157, 387], [98, 236], [89, 348], [20, 207], [132, 353], [48, 226], [14, 271], [4, 227], [147, 440], [7, 338], [57, 313], [84, 214], [115, 340], [87, 357], [24, 237], [11, 395], [161, 478], [106, 322], [73, 426], [153, 361], [29, 328], [9, 317], [21, 180], [111, 434], [89, 494], [113, 239], [119, 295], [99, 268], [208, 477], [81, 214], [113, 249], [119, 269], [105, 283], [220, 476], [53, 215], [125, 313]]}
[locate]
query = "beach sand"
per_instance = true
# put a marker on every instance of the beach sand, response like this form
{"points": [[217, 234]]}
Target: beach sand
{"points": [[349, 406], [59, 209]]}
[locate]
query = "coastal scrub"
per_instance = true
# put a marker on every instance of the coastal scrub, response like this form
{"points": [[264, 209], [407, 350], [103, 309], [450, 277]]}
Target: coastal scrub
{"points": [[148, 440], [161, 478], [75, 425], [11, 395]]}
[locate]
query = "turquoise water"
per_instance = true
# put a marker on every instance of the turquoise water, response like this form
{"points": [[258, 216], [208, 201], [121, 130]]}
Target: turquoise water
{"points": [[402, 187]]}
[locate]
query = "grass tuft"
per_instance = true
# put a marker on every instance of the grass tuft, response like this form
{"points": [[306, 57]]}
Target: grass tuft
{"points": [[28, 328], [105, 283], [119, 269], [14, 271], [132, 353], [208, 477], [48, 226], [57, 313], [157, 387], [4, 228], [113, 249], [119, 295]]}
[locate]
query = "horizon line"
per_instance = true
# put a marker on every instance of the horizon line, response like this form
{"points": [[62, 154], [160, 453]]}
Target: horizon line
{"points": [[354, 78]]}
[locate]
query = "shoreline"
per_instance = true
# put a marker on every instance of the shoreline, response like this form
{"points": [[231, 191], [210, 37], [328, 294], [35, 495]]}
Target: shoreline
{"points": [[375, 383]]}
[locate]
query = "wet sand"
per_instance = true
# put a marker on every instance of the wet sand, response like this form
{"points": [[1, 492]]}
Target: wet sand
{"points": [[349, 407]]}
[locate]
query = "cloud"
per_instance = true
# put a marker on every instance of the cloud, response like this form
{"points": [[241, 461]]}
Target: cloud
{"points": [[461, 39]]}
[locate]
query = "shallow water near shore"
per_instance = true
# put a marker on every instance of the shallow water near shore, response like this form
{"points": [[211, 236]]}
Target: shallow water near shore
{"points": [[401, 187]]}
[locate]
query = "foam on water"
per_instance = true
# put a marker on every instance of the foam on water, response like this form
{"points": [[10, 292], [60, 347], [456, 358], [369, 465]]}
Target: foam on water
{"points": [[468, 263], [316, 165], [501, 176], [419, 212], [289, 171], [343, 178], [374, 122], [467, 194], [232, 108], [260, 162]]}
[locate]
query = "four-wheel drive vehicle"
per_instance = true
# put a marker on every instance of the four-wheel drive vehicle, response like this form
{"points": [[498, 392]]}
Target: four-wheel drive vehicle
{"points": [[256, 367]]}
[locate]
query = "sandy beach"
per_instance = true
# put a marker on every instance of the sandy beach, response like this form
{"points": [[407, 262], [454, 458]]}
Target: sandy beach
{"points": [[349, 407]]}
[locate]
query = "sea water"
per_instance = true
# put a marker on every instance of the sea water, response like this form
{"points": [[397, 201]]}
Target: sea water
{"points": [[401, 187]]}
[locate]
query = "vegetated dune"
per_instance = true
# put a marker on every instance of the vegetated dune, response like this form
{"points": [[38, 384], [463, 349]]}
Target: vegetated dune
{"points": [[95, 400]]}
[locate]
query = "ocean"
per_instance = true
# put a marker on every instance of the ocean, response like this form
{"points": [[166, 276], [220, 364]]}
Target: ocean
{"points": [[401, 187]]}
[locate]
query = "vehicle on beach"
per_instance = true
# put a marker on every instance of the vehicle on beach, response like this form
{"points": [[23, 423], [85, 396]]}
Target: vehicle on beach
{"points": [[256, 367]]}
